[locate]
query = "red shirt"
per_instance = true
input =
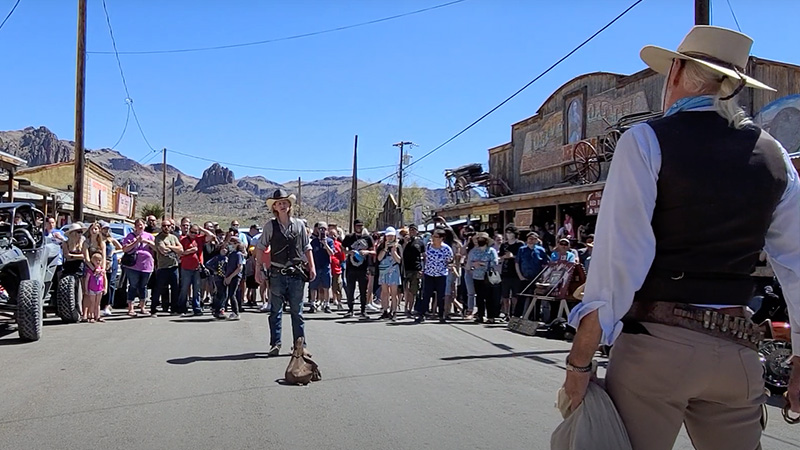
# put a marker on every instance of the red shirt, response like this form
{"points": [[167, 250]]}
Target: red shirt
{"points": [[193, 261], [337, 258]]}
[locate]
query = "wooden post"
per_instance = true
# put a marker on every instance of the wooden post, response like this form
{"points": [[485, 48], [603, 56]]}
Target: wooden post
{"points": [[80, 103], [558, 217], [172, 207], [702, 12], [299, 196], [354, 186], [11, 171], [164, 183], [44, 205]]}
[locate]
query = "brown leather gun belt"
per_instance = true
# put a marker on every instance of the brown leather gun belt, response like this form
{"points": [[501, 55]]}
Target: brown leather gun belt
{"points": [[725, 323]]}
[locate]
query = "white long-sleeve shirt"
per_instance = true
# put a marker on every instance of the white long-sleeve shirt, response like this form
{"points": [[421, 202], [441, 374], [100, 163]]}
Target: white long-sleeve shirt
{"points": [[624, 245]]}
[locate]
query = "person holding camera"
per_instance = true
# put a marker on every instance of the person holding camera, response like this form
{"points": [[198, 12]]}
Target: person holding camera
{"points": [[389, 273]]}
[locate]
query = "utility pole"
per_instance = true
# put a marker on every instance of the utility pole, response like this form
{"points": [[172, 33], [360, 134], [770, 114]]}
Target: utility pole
{"points": [[400, 144], [172, 207], [702, 12], [354, 186], [80, 102], [299, 195], [164, 182]]}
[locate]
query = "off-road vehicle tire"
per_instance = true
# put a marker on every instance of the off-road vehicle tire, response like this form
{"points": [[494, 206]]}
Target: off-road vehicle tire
{"points": [[67, 299], [29, 310]]}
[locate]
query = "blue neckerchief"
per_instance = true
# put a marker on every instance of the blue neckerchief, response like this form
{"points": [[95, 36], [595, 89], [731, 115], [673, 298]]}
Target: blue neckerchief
{"points": [[687, 103]]}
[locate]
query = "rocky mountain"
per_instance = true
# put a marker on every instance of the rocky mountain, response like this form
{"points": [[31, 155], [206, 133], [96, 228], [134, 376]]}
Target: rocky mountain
{"points": [[217, 195], [38, 146]]}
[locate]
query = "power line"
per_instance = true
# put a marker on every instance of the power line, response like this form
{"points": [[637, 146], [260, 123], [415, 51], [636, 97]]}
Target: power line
{"points": [[128, 98], [124, 129], [285, 38], [526, 85], [734, 15], [9, 14], [437, 183], [377, 182], [274, 169]]}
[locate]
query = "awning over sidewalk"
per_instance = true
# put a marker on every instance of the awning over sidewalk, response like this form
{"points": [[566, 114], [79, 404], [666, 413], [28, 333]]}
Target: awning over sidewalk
{"points": [[538, 199]]}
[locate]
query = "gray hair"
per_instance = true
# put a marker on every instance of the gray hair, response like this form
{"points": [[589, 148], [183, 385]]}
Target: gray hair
{"points": [[698, 78]]}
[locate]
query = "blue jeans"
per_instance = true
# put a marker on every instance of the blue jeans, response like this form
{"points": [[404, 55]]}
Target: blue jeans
{"points": [[167, 276], [191, 278], [285, 288], [220, 295], [137, 284], [470, 285]]}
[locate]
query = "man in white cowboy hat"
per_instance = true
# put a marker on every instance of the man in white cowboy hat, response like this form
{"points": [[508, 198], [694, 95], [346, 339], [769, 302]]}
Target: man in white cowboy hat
{"points": [[289, 247], [673, 302]]}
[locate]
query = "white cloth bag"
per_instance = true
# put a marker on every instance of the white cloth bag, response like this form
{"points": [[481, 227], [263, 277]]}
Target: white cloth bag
{"points": [[594, 425]]}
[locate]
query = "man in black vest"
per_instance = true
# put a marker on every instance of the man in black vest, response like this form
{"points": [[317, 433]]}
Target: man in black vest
{"points": [[289, 249], [671, 295]]}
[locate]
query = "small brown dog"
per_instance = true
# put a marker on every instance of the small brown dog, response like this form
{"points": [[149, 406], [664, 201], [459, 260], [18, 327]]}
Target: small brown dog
{"points": [[301, 369]]}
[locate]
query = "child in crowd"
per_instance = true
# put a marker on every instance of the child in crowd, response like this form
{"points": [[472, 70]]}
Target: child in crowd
{"points": [[95, 288], [250, 278], [216, 266], [233, 277]]}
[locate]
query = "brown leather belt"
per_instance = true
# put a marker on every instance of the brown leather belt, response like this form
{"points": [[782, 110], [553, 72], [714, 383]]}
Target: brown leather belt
{"points": [[725, 323]]}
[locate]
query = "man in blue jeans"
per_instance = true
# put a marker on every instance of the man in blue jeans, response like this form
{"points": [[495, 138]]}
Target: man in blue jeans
{"points": [[169, 250], [191, 260], [287, 241]]}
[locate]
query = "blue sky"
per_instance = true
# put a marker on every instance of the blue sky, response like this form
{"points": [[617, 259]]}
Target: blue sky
{"points": [[298, 103]]}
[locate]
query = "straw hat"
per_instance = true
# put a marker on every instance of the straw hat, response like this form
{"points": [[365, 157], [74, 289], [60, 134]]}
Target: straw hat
{"points": [[280, 194], [719, 49], [75, 226]]}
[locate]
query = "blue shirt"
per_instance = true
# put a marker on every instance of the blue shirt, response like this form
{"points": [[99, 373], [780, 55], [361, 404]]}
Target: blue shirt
{"points": [[568, 257], [322, 260], [481, 255], [531, 260]]}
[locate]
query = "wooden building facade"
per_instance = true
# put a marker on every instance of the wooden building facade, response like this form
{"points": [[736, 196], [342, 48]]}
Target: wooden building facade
{"points": [[539, 162]]}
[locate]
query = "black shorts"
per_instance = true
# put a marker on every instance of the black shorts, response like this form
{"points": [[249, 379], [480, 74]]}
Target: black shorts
{"points": [[250, 282], [510, 287]]}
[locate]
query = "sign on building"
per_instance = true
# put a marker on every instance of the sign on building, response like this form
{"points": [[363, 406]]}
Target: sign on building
{"points": [[124, 205], [98, 194], [593, 203]]}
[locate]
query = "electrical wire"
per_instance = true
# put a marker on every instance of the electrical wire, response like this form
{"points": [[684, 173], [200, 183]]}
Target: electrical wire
{"points": [[285, 38], [437, 183], [9, 14], [274, 169], [128, 98], [125, 128], [553, 66], [734, 15]]}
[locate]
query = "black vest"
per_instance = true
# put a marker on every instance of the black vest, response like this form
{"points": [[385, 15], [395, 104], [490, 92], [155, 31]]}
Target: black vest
{"points": [[283, 244], [718, 188]]}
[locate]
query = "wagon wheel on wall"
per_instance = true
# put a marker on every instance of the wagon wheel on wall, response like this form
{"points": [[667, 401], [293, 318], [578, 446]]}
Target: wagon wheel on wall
{"points": [[610, 143], [587, 162]]}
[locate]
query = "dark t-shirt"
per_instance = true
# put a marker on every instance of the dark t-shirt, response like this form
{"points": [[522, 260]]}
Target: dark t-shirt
{"points": [[412, 255], [357, 242], [235, 260], [509, 265], [322, 260]]}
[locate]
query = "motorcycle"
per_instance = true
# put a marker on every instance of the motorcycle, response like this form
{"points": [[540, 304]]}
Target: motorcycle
{"points": [[775, 354]]}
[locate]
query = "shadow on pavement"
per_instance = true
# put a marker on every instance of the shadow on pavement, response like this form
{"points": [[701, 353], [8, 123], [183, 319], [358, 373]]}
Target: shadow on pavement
{"points": [[198, 319], [240, 357], [307, 316], [531, 355]]}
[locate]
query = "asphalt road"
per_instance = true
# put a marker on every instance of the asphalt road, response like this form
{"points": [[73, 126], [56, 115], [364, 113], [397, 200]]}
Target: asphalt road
{"points": [[173, 383]]}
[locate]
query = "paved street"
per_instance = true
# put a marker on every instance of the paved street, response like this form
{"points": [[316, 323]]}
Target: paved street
{"points": [[173, 383]]}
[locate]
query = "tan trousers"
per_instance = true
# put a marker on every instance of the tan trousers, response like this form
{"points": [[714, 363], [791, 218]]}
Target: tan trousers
{"points": [[676, 376]]}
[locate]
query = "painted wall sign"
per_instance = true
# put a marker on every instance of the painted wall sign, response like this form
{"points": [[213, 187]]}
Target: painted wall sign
{"points": [[593, 203]]}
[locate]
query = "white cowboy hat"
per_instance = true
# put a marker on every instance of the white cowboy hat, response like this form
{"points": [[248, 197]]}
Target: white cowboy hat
{"points": [[390, 231], [719, 49], [280, 194], [75, 226]]}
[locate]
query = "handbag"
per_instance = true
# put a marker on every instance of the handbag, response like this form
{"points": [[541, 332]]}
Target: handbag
{"points": [[493, 276], [129, 259], [301, 369]]}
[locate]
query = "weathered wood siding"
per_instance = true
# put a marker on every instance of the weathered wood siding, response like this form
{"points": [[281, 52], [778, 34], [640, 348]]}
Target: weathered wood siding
{"points": [[539, 144], [538, 151]]}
